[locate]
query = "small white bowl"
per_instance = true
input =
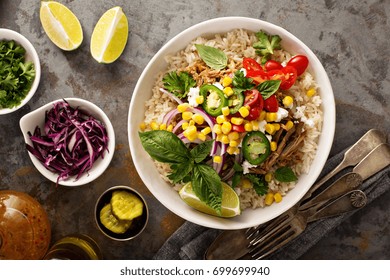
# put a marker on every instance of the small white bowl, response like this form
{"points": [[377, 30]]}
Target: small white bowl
{"points": [[31, 55], [143, 92], [37, 118]]}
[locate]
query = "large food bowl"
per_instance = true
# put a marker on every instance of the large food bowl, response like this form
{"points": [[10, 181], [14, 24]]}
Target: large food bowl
{"points": [[37, 118], [143, 91], [31, 55]]}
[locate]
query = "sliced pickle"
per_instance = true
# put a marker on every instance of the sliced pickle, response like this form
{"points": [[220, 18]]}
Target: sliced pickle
{"points": [[125, 205], [111, 222]]}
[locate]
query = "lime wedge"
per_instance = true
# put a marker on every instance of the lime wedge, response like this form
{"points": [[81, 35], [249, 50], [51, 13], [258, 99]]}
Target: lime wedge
{"points": [[61, 25], [230, 201], [109, 36]]}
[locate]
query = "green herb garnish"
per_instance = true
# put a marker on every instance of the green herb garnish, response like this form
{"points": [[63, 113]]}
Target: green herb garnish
{"points": [[268, 88], [285, 174], [186, 164], [214, 58], [178, 83], [266, 45], [241, 83], [16, 75], [258, 181]]}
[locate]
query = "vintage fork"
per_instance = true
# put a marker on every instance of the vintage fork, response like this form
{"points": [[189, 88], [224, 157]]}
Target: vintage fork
{"points": [[267, 242]]}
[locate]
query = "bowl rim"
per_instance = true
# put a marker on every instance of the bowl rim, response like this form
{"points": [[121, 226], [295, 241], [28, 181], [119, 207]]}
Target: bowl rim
{"points": [[96, 171], [111, 189], [8, 34], [178, 42]]}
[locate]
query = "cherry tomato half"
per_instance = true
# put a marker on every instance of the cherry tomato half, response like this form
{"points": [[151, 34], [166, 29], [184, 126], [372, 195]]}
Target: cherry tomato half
{"points": [[254, 113], [272, 65], [288, 76], [299, 62], [251, 65], [251, 97], [239, 128], [271, 104]]}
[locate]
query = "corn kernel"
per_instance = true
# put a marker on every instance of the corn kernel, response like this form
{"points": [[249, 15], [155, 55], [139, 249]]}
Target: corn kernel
{"points": [[170, 128], [273, 146], [255, 125], [183, 107], [206, 130], [187, 115], [246, 184], [226, 127], [262, 116], [311, 92], [277, 197], [225, 139], [202, 136], [269, 128], [199, 99], [232, 150], [244, 111], [276, 126], [219, 137], [217, 128], [226, 81], [142, 126], [163, 126], [191, 132], [228, 91], [270, 117], [234, 135], [198, 118], [236, 121], [289, 125], [154, 125], [233, 143], [220, 119], [288, 101], [184, 125], [191, 122], [225, 111], [248, 126], [268, 177], [269, 199], [217, 159]]}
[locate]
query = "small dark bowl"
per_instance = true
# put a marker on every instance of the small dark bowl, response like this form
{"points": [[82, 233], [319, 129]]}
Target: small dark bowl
{"points": [[138, 224]]}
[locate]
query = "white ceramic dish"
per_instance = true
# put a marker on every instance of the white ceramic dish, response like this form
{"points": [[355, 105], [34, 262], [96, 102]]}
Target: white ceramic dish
{"points": [[31, 55], [29, 121], [143, 91]]}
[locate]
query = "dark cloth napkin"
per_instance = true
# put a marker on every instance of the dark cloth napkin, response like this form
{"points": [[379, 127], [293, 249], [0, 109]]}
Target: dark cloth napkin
{"points": [[191, 241]]}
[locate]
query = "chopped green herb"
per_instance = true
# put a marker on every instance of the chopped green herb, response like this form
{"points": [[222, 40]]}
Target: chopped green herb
{"points": [[16, 75], [178, 83], [266, 45]]}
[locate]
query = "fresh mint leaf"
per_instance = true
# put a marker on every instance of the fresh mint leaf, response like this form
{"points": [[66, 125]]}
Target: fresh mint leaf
{"points": [[266, 45], [285, 174], [214, 58], [268, 88], [207, 186], [178, 84], [201, 151], [164, 146]]}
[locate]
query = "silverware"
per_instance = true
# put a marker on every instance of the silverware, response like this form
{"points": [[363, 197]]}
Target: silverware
{"points": [[238, 240], [265, 244]]}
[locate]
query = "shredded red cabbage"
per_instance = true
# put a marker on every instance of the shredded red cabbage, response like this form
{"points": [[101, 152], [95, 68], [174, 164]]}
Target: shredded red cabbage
{"points": [[72, 141]]}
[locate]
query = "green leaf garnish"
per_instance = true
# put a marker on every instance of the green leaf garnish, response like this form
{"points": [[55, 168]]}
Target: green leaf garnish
{"points": [[178, 83], [285, 174], [266, 45], [268, 88], [201, 151], [214, 58]]}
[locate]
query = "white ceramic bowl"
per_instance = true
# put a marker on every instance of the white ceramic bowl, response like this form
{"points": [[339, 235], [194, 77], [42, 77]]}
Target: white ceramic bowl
{"points": [[143, 91], [37, 118], [31, 55]]}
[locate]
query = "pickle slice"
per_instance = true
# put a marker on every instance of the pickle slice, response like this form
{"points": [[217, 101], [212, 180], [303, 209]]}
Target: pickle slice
{"points": [[111, 222], [125, 205]]}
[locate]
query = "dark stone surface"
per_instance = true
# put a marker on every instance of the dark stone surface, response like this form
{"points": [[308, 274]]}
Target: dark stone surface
{"points": [[349, 37]]}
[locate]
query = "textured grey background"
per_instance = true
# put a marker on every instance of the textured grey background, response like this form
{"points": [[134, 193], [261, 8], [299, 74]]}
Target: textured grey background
{"points": [[351, 39]]}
